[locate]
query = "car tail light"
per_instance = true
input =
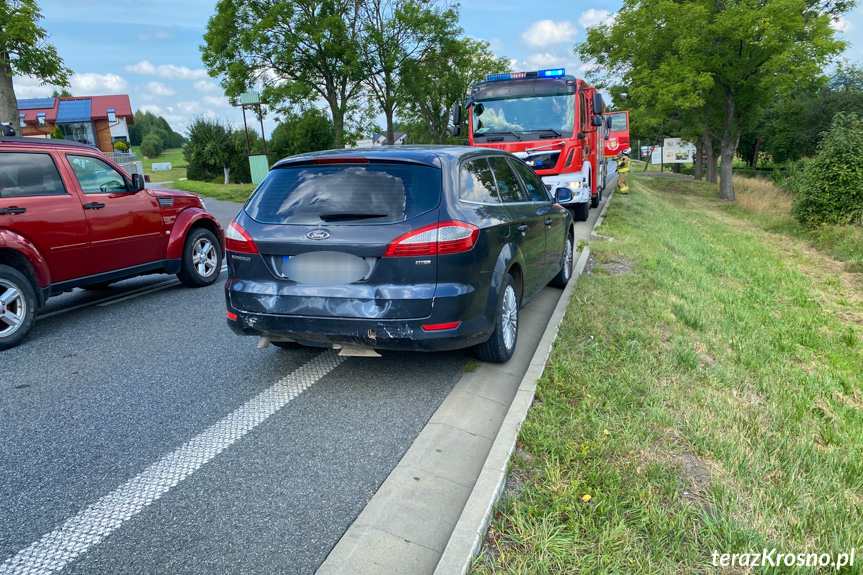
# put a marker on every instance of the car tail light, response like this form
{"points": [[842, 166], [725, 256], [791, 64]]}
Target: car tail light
{"points": [[232, 316], [441, 326], [238, 240], [447, 237]]}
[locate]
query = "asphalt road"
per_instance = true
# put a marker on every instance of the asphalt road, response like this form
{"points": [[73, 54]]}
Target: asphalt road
{"points": [[138, 434]]}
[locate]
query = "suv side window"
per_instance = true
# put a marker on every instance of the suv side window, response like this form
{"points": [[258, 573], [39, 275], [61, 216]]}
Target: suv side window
{"points": [[96, 176], [27, 174], [534, 185], [476, 183], [507, 182]]}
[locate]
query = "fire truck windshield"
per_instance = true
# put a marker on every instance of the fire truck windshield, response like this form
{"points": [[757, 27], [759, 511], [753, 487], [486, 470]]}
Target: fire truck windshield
{"points": [[554, 114]]}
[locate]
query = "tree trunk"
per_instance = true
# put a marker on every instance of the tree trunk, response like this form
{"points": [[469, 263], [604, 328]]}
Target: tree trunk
{"points": [[338, 126], [227, 175], [729, 149], [757, 151], [699, 156], [8, 103], [711, 159], [391, 136]]}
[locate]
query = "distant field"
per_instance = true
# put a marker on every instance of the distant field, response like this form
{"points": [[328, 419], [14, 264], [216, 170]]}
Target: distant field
{"points": [[231, 192], [172, 155]]}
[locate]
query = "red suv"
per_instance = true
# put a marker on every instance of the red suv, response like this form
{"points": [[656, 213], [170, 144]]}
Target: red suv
{"points": [[70, 218]]}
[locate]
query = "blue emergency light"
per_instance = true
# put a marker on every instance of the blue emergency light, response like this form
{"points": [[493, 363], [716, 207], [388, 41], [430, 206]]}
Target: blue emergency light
{"points": [[555, 73]]}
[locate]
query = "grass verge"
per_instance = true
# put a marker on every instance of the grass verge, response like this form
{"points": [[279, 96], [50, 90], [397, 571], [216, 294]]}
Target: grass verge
{"points": [[172, 155], [231, 192], [705, 398]]}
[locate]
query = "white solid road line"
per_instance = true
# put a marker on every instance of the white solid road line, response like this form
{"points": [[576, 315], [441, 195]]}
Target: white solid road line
{"points": [[121, 297], [91, 525]]}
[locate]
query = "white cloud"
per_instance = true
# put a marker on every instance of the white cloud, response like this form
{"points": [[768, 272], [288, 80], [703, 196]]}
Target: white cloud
{"points": [[168, 71], [548, 32], [91, 84], [159, 89], [216, 101], [205, 86], [26, 87], [189, 107], [495, 45], [840, 24], [593, 17], [152, 108], [159, 35]]}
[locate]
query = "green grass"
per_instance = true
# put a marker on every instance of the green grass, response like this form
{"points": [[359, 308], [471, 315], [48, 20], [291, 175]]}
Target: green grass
{"points": [[231, 192], [710, 400], [172, 155]]}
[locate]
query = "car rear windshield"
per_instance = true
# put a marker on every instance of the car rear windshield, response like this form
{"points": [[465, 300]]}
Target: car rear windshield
{"points": [[354, 194]]}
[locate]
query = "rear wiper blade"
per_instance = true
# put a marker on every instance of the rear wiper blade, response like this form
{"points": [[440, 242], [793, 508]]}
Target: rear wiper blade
{"points": [[500, 133], [349, 216]]}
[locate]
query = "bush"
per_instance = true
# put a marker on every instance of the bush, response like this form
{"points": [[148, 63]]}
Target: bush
{"points": [[830, 189], [152, 146], [57, 134], [121, 146]]}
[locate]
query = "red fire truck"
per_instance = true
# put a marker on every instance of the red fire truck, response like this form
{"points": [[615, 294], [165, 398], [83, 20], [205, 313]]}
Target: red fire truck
{"points": [[618, 133], [553, 121]]}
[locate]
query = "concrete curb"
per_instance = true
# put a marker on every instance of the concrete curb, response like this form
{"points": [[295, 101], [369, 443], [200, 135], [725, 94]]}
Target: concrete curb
{"points": [[595, 236], [466, 539]]}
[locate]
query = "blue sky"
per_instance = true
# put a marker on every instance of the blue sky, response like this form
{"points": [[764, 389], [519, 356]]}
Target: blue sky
{"points": [[149, 48]]}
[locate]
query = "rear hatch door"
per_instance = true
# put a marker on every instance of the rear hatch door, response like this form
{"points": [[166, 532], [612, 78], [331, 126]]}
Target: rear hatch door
{"points": [[322, 231]]}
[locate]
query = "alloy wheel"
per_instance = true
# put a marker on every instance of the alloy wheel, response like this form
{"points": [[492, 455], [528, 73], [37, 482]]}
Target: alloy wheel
{"points": [[13, 308]]}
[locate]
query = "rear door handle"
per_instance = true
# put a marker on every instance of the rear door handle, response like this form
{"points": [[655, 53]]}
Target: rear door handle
{"points": [[94, 206], [12, 211]]}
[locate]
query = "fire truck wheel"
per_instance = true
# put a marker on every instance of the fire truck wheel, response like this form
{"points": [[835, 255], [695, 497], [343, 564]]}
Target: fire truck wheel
{"points": [[580, 212]]}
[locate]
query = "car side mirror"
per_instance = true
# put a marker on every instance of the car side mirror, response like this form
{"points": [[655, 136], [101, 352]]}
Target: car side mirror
{"points": [[137, 182], [563, 195], [455, 131], [598, 104], [597, 121], [608, 122], [456, 114]]}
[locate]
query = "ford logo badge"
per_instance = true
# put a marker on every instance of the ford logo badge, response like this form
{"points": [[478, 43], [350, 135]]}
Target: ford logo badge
{"points": [[318, 235]]}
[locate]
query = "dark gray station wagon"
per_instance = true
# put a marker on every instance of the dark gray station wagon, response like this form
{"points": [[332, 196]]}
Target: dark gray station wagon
{"points": [[407, 248]]}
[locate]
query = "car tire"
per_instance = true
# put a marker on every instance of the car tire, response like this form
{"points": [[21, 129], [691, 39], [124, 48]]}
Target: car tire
{"points": [[581, 212], [500, 347], [565, 273], [17, 307], [202, 259]]}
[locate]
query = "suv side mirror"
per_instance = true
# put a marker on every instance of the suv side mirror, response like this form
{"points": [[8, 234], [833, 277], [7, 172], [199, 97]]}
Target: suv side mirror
{"points": [[597, 104], [562, 195], [456, 115], [137, 182]]}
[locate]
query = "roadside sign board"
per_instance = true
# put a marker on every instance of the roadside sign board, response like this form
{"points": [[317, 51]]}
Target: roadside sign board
{"points": [[677, 151], [656, 156], [162, 167]]}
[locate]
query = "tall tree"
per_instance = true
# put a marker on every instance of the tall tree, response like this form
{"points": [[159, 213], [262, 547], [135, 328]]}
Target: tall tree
{"points": [[24, 51], [397, 31], [308, 131], [295, 50], [444, 74], [727, 58]]}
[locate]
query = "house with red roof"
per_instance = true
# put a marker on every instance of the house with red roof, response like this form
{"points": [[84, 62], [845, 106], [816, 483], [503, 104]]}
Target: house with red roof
{"points": [[99, 121]]}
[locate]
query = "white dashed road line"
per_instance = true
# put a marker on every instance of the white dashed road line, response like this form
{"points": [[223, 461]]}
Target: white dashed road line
{"points": [[57, 549]]}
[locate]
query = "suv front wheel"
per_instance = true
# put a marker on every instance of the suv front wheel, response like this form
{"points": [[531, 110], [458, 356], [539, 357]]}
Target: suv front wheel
{"points": [[202, 259], [17, 307]]}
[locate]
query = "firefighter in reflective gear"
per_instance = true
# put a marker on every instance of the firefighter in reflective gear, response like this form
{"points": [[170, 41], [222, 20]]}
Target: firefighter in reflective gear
{"points": [[622, 171]]}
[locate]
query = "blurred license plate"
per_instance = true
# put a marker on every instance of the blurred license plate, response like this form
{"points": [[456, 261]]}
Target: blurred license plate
{"points": [[325, 268]]}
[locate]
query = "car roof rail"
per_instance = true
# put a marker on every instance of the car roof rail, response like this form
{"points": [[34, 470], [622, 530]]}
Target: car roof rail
{"points": [[44, 142]]}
